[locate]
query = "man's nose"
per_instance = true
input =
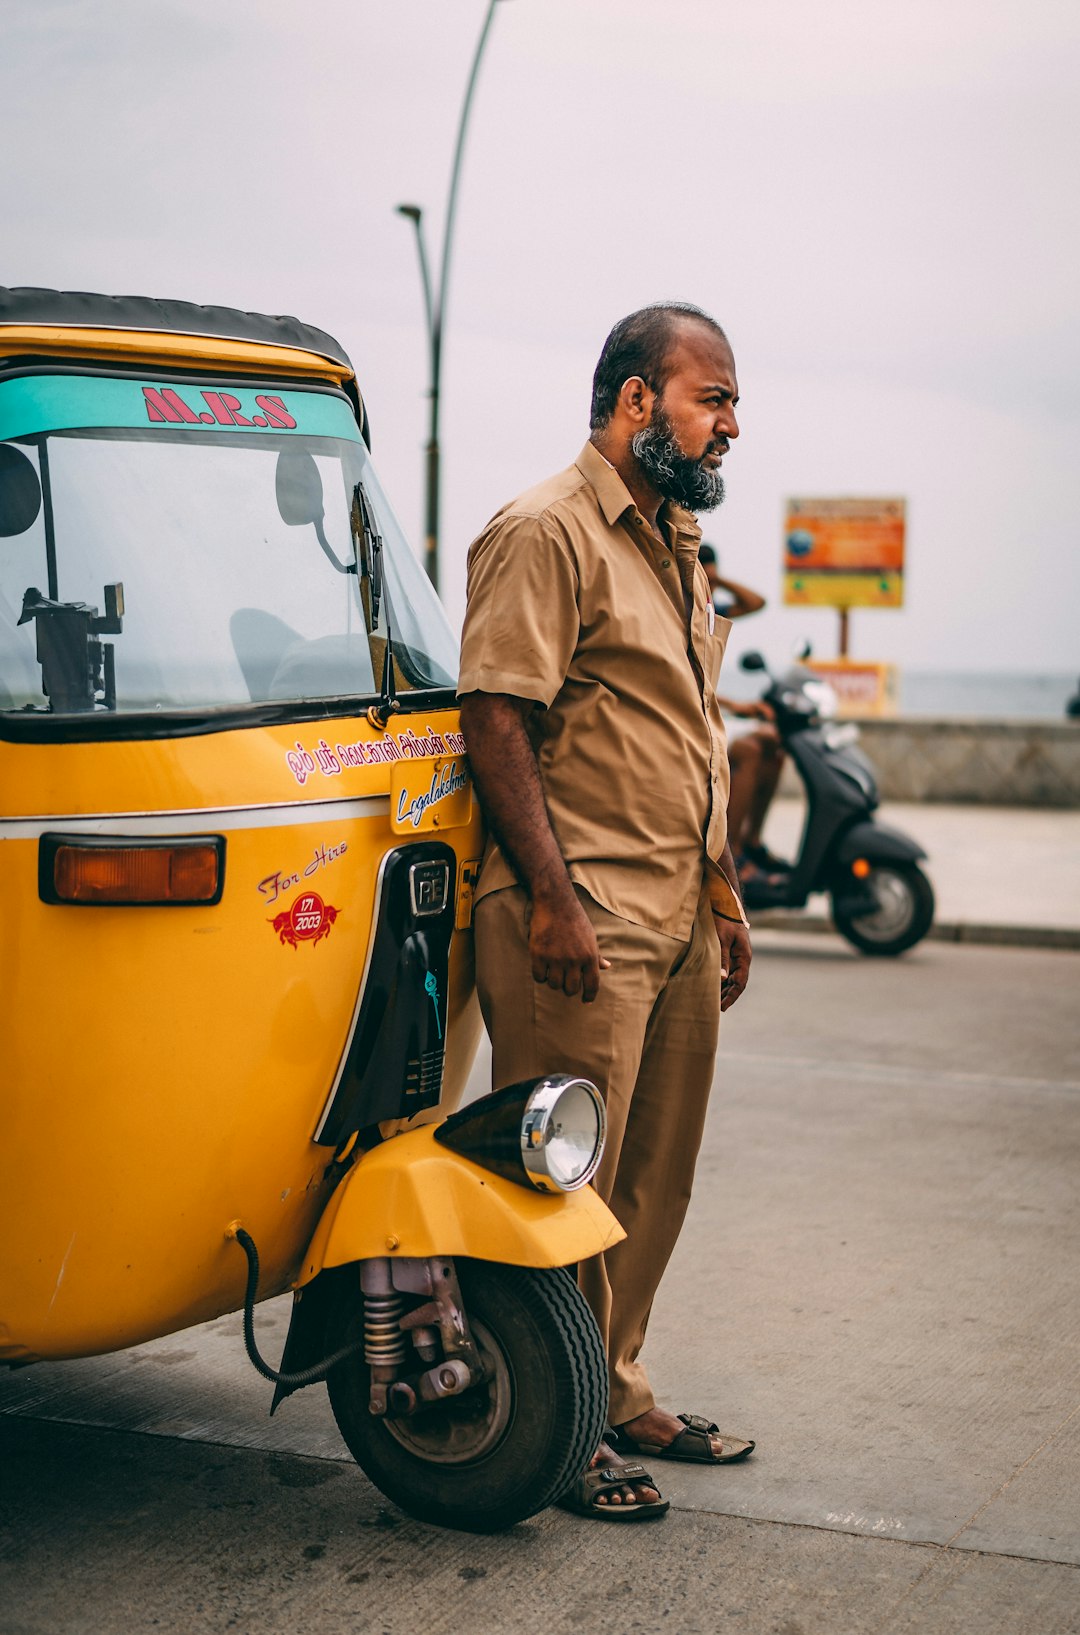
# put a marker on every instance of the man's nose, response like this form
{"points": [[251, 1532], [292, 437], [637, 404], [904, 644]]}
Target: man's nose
{"points": [[726, 423]]}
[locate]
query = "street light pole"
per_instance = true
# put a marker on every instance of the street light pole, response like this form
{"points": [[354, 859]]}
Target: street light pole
{"points": [[431, 453], [435, 311]]}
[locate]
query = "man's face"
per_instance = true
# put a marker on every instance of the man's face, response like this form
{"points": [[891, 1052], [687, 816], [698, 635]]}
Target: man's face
{"points": [[692, 422]]}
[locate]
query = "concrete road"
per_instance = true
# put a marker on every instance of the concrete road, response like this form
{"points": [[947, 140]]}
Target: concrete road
{"points": [[878, 1281]]}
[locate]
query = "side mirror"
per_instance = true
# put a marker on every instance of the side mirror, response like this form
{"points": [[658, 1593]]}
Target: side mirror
{"points": [[751, 661], [298, 488], [299, 492], [20, 492]]}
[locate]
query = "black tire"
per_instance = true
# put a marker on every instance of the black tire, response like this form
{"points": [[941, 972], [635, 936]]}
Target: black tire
{"points": [[500, 1451], [905, 914]]}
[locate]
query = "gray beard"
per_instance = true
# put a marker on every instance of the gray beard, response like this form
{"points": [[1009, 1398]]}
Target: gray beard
{"points": [[671, 472]]}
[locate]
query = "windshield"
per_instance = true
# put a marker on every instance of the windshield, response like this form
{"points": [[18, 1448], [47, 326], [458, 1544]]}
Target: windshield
{"points": [[199, 546]]}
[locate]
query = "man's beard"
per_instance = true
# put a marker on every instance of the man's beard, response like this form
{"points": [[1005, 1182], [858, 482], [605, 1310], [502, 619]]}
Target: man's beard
{"points": [[671, 472]]}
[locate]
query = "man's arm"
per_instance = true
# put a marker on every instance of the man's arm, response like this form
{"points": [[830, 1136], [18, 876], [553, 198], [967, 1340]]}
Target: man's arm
{"points": [[562, 943], [754, 709], [735, 950], [746, 601]]}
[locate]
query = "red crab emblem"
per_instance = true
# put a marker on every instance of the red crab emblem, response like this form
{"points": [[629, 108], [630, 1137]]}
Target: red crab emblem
{"points": [[307, 920]]}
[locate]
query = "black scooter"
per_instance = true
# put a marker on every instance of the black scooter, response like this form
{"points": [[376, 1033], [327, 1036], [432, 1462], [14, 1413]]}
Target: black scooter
{"points": [[882, 902]]}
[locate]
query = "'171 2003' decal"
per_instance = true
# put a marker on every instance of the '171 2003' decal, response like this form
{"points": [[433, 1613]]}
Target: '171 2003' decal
{"points": [[307, 919]]}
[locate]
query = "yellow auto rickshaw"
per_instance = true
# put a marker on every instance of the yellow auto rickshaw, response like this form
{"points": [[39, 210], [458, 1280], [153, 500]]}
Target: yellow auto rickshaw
{"points": [[239, 844]]}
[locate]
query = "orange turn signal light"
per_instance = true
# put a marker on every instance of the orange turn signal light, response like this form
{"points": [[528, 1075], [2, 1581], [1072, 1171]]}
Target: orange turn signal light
{"points": [[860, 868], [123, 871]]}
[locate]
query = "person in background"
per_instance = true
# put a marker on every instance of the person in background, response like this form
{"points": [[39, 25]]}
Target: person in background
{"points": [[756, 757], [731, 600]]}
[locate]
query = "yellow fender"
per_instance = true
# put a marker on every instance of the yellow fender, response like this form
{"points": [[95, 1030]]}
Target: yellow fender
{"points": [[412, 1198]]}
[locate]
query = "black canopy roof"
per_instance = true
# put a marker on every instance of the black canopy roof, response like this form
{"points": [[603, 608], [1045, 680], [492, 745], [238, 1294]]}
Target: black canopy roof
{"points": [[78, 310]]}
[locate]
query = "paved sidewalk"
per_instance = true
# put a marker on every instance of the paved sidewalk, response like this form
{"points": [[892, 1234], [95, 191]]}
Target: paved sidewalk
{"points": [[1001, 874]]}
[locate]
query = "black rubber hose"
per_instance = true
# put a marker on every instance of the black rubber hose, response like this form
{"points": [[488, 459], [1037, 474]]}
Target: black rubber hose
{"points": [[306, 1376]]}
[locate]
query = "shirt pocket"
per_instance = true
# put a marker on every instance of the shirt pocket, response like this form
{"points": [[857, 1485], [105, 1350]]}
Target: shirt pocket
{"points": [[715, 648]]}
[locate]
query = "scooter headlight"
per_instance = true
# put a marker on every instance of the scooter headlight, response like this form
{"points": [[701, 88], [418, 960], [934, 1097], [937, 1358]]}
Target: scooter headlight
{"points": [[823, 697], [547, 1133]]}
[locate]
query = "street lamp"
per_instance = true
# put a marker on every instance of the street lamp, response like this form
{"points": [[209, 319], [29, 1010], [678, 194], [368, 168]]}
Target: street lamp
{"points": [[435, 311]]}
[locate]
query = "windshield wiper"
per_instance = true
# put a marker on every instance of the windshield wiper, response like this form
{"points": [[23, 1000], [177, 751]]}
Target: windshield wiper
{"points": [[366, 531], [371, 550], [389, 702]]}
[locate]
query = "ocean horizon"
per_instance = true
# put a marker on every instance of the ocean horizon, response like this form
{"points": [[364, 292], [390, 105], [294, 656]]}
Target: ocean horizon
{"points": [[1019, 696], [985, 694]]}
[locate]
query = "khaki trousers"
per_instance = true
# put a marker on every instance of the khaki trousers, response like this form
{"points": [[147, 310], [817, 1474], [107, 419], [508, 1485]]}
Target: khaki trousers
{"points": [[649, 1043]]}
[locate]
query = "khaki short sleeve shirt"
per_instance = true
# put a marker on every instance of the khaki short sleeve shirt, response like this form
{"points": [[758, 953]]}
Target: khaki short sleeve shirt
{"points": [[575, 603]]}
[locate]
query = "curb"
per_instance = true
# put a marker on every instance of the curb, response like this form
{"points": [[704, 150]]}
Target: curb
{"points": [[967, 931]]}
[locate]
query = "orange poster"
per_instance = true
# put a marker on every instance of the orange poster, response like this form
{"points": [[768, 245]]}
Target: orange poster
{"points": [[844, 553]]}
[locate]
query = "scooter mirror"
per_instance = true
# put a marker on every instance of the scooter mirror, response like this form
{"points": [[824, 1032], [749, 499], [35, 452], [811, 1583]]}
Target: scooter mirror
{"points": [[751, 661], [20, 492]]}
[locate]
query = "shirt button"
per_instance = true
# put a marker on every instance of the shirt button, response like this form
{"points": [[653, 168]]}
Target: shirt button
{"points": [[665, 564]]}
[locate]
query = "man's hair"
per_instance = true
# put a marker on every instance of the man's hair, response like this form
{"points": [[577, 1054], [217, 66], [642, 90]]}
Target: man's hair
{"points": [[707, 555], [640, 345]]}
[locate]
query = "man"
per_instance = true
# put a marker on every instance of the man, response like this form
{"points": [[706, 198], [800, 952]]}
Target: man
{"points": [[609, 929], [755, 758]]}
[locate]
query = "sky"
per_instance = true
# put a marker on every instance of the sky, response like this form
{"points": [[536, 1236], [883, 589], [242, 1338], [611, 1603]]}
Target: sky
{"points": [[879, 202]]}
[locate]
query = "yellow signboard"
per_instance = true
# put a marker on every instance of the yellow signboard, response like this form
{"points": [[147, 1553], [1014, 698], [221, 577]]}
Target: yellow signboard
{"points": [[844, 553], [430, 794]]}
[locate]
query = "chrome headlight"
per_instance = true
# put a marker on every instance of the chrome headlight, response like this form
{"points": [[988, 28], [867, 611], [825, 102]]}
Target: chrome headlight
{"points": [[547, 1133], [562, 1133]]}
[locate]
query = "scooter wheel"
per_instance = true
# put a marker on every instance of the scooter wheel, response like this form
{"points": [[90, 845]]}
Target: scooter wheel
{"points": [[504, 1449], [904, 914]]}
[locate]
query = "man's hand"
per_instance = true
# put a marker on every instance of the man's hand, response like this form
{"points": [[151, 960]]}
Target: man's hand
{"points": [[735, 957], [562, 942], [563, 947], [755, 710]]}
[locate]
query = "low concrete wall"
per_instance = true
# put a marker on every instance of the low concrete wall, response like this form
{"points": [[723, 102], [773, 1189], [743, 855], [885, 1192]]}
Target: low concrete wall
{"points": [[1001, 763]]}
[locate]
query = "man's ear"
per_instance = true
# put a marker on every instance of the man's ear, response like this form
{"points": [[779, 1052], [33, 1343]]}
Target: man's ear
{"points": [[636, 400]]}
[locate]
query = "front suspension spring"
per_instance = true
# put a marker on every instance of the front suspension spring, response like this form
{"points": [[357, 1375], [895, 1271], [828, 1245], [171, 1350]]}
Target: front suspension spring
{"points": [[384, 1339]]}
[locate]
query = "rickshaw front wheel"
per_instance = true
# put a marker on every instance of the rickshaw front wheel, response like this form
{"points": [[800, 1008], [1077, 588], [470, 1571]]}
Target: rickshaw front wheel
{"points": [[508, 1447]]}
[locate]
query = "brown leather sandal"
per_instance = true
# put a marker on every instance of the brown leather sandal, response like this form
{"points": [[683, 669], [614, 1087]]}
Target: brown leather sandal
{"points": [[581, 1496], [692, 1446]]}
